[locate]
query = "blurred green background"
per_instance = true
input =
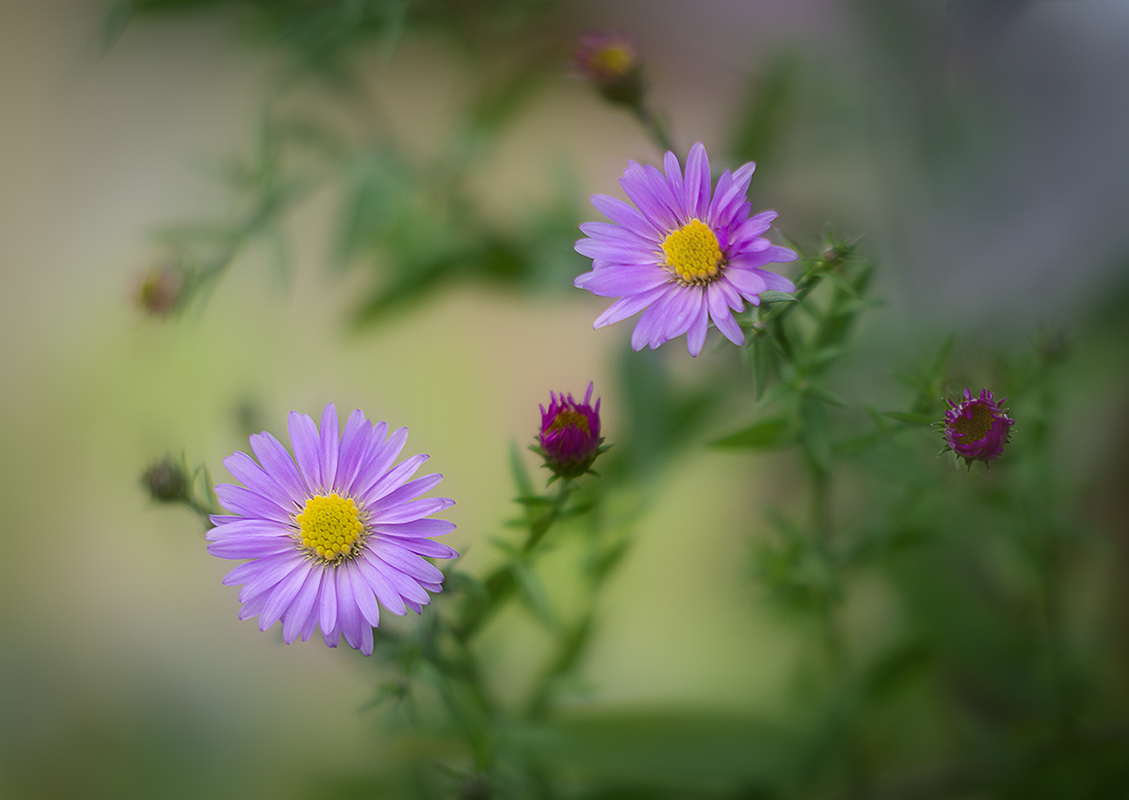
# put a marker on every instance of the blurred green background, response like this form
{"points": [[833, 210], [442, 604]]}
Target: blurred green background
{"points": [[979, 150]]}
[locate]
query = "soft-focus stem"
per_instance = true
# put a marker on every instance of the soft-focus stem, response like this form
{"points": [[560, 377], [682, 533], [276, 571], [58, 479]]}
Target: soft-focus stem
{"points": [[209, 505], [822, 530], [654, 127], [539, 528], [502, 583]]}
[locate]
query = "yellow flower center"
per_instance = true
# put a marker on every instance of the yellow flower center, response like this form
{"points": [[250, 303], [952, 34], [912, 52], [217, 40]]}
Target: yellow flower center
{"points": [[330, 526], [615, 60], [693, 254], [566, 419], [975, 427]]}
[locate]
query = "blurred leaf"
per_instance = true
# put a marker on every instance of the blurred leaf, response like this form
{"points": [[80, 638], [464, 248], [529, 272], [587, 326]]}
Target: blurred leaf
{"points": [[821, 358], [533, 594], [910, 419], [519, 472], [897, 668], [280, 255], [116, 22], [769, 110], [503, 99], [827, 396], [705, 754], [660, 418], [382, 201], [403, 293], [606, 560], [533, 501], [765, 355], [767, 433], [815, 432], [795, 573], [778, 297]]}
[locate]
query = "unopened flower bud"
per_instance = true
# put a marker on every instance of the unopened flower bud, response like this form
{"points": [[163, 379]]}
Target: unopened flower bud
{"points": [[611, 63], [165, 481], [570, 440], [976, 429], [160, 289]]}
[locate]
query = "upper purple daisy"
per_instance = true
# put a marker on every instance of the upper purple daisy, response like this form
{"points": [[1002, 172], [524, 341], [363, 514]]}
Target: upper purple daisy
{"points": [[682, 256], [976, 429], [332, 534]]}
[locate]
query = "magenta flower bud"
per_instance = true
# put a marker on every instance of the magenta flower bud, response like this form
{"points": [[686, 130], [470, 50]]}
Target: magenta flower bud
{"points": [[976, 429], [160, 290], [611, 63], [570, 435]]}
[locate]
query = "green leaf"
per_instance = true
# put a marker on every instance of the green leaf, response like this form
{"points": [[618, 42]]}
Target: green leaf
{"points": [[760, 435], [696, 752], [796, 574], [910, 419], [822, 357], [766, 358], [898, 668], [520, 473], [778, 297], [815, 432], [771, 109], [533, 500], [533, 594], [942, 358]]}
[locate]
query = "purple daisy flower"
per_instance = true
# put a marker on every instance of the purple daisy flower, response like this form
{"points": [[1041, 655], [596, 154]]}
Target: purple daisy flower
{"points": [[570, 434], [333, 533], [976, 429], [683, 257]]}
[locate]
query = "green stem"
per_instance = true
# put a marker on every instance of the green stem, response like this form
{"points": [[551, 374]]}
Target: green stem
{"points": [[654, 127], [822, 528], [502, 583]]}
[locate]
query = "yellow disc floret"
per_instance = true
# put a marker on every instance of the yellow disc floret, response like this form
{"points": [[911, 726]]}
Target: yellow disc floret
{"points": [[693, 254], [330, 526], [615, 60], [568, 418], [974, 427]]}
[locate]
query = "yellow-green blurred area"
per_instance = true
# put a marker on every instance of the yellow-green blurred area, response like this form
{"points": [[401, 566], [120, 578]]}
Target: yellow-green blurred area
{"points": [[981, 158]]}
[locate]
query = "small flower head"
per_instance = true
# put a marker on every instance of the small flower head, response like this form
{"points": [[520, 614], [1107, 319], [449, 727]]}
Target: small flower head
{"points": [[611, 63], [570, 435], [976, 429], [166, 481], [685, 258], [330, 531], [160, 290]]}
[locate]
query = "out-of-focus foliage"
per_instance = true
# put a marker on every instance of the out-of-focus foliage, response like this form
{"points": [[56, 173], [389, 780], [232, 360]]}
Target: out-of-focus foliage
{"points": [[414, 224], [960, 634]]}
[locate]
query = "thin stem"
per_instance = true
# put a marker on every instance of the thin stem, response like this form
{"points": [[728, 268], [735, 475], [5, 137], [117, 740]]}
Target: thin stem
{"points": [[502, 582], [654, 127]]}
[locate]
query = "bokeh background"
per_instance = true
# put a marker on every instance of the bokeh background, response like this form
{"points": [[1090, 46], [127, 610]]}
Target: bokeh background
{"points": [[978, 149]]}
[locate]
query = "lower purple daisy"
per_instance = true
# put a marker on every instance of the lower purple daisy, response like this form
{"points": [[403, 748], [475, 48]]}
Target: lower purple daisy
{"points": [[330, 531], [976, 429], [684, 257]]}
